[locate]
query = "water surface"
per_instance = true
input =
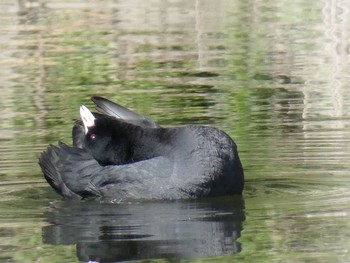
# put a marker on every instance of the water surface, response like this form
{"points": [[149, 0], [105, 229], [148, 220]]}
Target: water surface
{"points": [[272, 75]]}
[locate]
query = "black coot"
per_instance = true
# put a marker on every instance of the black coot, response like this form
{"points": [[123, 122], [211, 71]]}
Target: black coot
{"points": [[120, 155]]}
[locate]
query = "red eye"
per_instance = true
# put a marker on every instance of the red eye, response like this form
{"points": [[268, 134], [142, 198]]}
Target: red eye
{"points": [[92, 136]]}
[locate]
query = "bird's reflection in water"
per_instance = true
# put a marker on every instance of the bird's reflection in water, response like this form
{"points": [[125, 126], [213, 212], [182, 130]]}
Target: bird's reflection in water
{"points": [[107, 232]]}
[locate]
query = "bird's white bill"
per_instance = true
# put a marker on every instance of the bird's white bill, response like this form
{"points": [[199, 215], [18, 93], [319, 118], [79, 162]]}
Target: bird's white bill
{"points": [[87, 118]]}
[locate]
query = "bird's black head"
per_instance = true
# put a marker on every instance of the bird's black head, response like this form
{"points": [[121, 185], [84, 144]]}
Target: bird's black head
{"points": [[106, 138]]}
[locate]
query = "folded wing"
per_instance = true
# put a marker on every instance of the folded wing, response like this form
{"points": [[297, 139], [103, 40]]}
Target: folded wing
{"points": [[109, 108]]}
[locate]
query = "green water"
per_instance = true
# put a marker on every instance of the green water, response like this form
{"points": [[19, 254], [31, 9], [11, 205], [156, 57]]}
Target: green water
{"points": [[272, 75]]}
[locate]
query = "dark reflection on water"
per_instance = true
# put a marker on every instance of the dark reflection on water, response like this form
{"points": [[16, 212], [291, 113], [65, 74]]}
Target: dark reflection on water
{"points": [[147, 230]]}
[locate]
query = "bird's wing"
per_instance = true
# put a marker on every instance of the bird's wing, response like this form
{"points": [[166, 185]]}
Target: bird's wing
{"points": [[107, 107]]}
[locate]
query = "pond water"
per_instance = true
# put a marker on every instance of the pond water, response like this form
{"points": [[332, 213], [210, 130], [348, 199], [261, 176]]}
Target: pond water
{"points": [[272, 74]]}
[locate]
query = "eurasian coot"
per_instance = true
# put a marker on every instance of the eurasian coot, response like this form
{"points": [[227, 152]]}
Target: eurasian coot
{"points": [[120, 155]]}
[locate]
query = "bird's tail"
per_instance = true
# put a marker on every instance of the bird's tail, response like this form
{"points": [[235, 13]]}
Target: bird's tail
{"points": [[49, 162]]}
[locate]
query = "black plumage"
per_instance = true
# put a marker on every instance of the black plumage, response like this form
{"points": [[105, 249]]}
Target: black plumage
{"points": [[119, 154]]}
